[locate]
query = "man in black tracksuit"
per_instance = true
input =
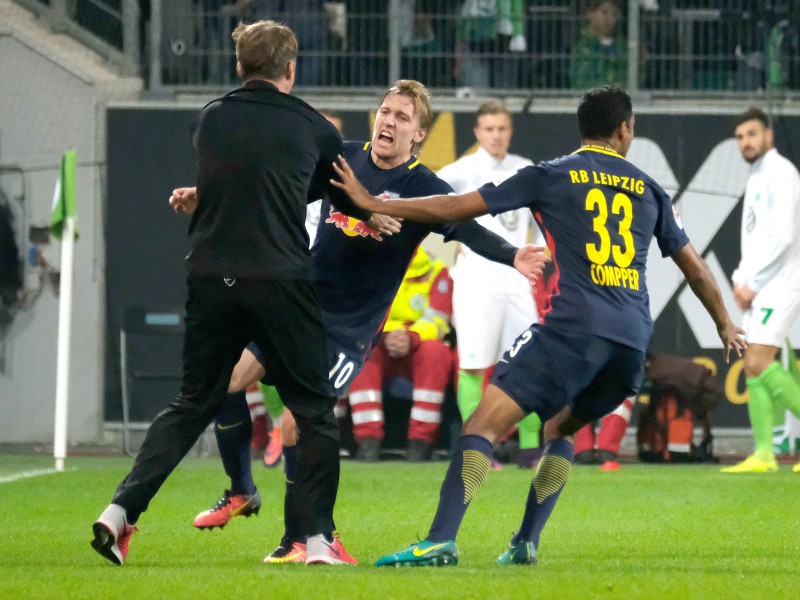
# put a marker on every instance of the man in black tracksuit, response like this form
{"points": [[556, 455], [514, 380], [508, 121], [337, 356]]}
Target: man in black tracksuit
{"points": [[261, 155]]}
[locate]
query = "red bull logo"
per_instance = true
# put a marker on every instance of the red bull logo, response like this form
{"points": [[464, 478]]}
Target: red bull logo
{"points": [[351, 226]]}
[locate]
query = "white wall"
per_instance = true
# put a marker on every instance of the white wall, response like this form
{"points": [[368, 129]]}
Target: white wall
{"points": [[47, 106]]}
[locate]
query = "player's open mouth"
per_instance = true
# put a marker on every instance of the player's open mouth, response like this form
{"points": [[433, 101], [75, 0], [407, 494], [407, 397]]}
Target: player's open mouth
{"points": [[385, 137]]}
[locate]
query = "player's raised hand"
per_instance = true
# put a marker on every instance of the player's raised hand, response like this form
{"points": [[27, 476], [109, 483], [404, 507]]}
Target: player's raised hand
{"points": [[384, 225], [352, 186], [530, 261], [184, 200]]}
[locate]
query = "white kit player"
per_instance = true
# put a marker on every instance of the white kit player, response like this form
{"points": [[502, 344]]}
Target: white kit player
{"points": [[491, 307], [767, 283], [312, 211]]}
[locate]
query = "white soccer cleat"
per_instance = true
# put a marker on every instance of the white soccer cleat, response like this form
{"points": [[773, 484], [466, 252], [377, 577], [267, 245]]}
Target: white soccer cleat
{"points": [[321, 551]]}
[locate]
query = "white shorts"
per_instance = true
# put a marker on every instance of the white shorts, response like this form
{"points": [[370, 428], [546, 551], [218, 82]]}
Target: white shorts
{"points": [[774, 310], [487, 324]]}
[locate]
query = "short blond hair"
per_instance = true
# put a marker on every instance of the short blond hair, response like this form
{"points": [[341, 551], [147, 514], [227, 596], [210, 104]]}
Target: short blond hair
{"points": [[264, 49], [422, 104]]}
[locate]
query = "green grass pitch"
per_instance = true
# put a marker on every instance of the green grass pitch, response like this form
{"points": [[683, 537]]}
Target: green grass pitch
{"points": [[644, 532]]}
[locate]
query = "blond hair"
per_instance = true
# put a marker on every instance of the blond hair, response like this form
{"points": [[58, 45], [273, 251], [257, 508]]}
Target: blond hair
{"points": [[264, 49], [422, 104]]}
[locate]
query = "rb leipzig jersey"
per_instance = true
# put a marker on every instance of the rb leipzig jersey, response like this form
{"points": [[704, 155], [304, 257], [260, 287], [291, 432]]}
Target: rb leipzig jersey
{"points": [[598, 214], [356, 274]]}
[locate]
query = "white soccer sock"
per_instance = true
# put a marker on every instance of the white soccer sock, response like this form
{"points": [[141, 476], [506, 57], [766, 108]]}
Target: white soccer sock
{"points": [[116, 516]]}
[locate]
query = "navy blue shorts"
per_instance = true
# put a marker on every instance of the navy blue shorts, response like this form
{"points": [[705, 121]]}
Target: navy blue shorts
{"points": [[343, 366], [546, 370]]}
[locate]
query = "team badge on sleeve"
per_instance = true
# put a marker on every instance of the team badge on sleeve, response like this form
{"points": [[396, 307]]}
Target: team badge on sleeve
{"points": [[677, 216]]}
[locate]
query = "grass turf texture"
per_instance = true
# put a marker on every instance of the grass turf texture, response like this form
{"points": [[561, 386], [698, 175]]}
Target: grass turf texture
{"points": [[642, 532]]}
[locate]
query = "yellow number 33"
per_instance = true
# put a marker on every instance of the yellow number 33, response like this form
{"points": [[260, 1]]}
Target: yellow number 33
{"points": [[600, 253]]}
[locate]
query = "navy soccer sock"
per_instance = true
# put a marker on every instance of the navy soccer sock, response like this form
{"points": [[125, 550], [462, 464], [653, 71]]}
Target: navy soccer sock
{"points": [[550, 479], [234, 430], [472, 459]]}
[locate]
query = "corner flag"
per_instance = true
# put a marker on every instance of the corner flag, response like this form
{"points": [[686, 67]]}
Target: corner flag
{"points": [[64, 197], [62, 224]]}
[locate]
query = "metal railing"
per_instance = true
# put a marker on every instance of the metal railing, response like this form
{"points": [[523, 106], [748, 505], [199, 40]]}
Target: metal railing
{"points": [[112, 28], [708, 46], [546, 46]]}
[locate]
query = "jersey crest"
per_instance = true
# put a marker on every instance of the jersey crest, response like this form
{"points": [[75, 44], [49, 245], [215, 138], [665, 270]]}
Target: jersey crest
{"points": [[351, 226], [677, 216]]}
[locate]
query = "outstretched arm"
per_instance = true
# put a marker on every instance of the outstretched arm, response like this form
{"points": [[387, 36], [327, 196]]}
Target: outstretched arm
{"points": [[705, 287], [433, 209]]}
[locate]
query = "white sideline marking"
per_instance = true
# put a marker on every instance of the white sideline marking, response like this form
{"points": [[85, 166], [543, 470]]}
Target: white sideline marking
{"points": [[28, 475]]}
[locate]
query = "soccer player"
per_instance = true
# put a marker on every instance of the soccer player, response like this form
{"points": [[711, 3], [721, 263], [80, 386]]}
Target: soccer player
{"points": [[248, 262], [598, 213], [357, 274], [491, 305], [767, 282]]}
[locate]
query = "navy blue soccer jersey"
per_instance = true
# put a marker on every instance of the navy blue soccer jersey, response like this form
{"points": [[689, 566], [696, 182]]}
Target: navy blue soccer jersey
{"points": [[598, 214], [356, 274]]}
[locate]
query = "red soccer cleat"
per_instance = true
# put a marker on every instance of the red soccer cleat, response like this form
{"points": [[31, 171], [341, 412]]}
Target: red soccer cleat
{"points": [[229, 506], [111, 542], [610, 465], [274, 451]]}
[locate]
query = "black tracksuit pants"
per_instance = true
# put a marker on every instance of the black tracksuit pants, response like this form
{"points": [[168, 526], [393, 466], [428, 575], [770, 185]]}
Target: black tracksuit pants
{"points": [[283, 317]]}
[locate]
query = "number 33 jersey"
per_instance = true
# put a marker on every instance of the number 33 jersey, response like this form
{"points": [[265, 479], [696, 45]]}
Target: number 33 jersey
{"points": [[598, 213]]}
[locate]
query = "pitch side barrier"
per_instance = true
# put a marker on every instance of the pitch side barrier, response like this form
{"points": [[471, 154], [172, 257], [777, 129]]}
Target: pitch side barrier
{"points": [[690, 153]]}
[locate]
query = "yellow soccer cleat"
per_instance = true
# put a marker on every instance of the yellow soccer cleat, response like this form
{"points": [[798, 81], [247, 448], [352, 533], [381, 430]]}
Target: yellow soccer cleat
{"points": [[796, 468], [753, 464]]}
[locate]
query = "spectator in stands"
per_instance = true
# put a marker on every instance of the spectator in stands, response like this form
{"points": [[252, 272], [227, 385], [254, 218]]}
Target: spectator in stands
{"points": [[487, 33], [491, 307], [368, 42], [411, 346], [309, 21], [600, 56], [424, 38], [783, 49], [549, 35]]}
